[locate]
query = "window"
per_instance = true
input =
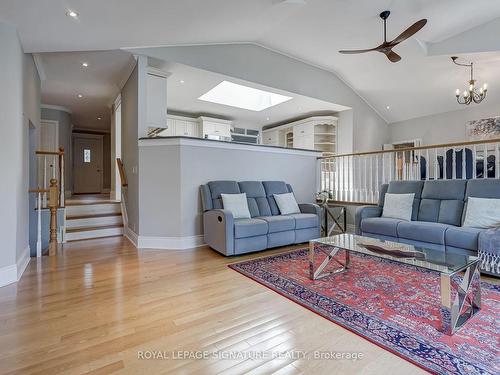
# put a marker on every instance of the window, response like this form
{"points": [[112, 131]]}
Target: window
{"points": [[245, 97], [86, 155]]}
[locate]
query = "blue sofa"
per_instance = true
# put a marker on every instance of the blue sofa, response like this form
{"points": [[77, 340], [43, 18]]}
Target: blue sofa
{"points": [[265, 229], [438, 212]]}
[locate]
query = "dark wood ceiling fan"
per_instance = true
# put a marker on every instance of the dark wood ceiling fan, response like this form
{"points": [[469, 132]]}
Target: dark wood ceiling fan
{"points": [[386, 47]]}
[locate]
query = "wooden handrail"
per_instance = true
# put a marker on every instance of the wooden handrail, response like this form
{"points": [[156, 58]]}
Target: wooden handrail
{"points": [[442, 145], [41, 152], [121, 170], [38, 190]]}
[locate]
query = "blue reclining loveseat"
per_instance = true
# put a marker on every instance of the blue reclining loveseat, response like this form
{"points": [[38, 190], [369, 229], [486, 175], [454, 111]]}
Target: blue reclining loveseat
{"points": [[265, 229], [438, 212]]}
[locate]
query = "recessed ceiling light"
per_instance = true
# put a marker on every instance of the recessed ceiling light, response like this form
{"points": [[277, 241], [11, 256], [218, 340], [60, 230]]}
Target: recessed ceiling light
{"points": [[181, 81], [267, 118], [387, 107], [84, 64], [99, 118], [80, 95], [239, 96], [72, 14]]}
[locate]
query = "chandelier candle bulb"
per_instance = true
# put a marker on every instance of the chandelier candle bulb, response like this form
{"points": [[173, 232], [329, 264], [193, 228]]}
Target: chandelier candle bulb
{"points": [[457, 92]]}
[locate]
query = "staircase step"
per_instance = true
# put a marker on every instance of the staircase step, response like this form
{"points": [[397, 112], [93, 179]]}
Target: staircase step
{"points": [[98, 220], [82, 233], [93, 209]]}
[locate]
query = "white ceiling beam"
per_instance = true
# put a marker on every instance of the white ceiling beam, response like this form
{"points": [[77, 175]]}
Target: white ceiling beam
{"points": [[483, 38]]}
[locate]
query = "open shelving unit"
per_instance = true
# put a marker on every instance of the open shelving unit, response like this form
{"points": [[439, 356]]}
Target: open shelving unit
{"points": [[325, 136]]}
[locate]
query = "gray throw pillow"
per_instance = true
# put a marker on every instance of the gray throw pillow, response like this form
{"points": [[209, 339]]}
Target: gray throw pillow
{"points": [[287, 203], [398, 206], [237, 204], [482, 213]]}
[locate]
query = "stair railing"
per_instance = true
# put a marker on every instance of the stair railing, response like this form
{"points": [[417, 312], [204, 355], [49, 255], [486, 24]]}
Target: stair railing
{"points": [[51, 166], [124, 183], [53, 205], [356, 178]]}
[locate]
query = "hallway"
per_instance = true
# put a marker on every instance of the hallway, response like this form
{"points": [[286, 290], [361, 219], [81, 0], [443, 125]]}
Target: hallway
{"points": [[99, 302]]}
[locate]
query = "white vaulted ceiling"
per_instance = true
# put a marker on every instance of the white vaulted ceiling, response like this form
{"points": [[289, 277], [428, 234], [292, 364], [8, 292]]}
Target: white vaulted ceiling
{"points": [[422, 83]]}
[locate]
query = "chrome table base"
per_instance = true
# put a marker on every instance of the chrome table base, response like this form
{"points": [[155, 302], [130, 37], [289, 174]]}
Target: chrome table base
{"points": [[317, 273], [459, 302]]}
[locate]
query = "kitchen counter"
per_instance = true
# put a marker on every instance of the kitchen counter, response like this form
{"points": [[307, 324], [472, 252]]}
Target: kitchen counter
{"points": [[151, 141]]}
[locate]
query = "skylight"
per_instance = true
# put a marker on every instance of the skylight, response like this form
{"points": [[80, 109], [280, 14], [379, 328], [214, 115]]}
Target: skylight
{"points": [[239, 96]]}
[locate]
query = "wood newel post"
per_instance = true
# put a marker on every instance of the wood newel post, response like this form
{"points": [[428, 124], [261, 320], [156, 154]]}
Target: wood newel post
{"points": [[53, 205]]}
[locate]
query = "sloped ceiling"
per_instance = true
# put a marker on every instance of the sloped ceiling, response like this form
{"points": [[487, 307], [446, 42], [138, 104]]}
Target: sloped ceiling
{"points": [[422, 83]]}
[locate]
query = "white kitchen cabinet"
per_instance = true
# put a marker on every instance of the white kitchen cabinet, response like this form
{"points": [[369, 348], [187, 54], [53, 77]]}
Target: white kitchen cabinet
{"points": [[156, 99], [312, 133], [215, 127], [183, 126]]}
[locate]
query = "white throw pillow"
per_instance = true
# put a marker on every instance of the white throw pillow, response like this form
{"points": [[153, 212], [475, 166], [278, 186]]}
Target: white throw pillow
{"points": [[482, 213], [287, 203], [237, 204], [398, 206]]}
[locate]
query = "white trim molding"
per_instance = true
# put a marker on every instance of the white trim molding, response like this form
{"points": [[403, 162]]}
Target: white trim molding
{"points": [[130, 235], [170, 243], [200, 142], [23, 262], [57, 108], [11, 274], [8, 275]]}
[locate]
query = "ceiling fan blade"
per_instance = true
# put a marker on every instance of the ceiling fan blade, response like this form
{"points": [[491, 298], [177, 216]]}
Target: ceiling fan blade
{"points": [[413, 29], [393, 56], [353, 51]]}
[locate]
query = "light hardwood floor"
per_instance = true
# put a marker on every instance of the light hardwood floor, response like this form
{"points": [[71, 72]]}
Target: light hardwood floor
{"points": [[96, 306]]}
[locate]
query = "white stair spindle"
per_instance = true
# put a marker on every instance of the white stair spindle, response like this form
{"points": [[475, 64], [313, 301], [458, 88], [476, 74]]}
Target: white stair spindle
{"points": [[464, 160], [445, 162], [427, 165], [44, 203], [485, 161], [474, 162], [39, 226], [404, 166], [453, 164], [371, 178], [436, 164], [61, 177], [497, 160]]}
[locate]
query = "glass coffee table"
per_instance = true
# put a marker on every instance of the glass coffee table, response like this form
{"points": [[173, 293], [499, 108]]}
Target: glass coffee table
{"points": [[460, 299]]}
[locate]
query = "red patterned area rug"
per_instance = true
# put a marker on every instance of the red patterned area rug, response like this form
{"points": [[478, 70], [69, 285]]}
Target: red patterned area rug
{"points": [[393, 305]]}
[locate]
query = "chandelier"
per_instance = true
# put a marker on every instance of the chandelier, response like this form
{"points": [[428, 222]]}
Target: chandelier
{"points": [[472, 94]]}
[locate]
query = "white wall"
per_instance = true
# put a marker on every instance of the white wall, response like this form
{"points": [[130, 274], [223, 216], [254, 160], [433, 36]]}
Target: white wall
{"points": [[130, 155], [445, 127], [19, 98], [260, 65], [65, 141]]}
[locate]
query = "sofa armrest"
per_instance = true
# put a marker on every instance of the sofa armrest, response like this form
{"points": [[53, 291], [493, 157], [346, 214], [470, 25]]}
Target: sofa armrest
{"points": [[310, 208], [218, 230], [364, 212]]}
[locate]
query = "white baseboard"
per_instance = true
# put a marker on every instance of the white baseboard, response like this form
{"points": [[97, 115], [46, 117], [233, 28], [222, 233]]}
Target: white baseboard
{"points": [[22, 262], [8, 275], [130, 235], [170, 243], [11, 274]]}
